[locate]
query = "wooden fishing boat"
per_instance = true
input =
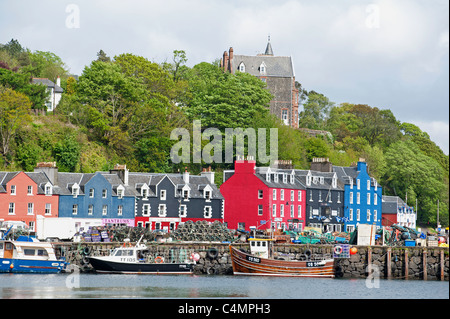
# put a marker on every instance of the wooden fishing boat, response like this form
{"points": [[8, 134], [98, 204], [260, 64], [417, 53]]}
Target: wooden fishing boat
{"points": [[260, 263]]}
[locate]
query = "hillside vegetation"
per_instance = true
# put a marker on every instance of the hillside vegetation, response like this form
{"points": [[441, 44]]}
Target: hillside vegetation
{"points": [[123, 109]]}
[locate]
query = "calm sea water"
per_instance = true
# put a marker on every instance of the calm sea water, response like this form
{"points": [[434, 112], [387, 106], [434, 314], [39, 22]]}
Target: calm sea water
{"points": [[77, 286]]}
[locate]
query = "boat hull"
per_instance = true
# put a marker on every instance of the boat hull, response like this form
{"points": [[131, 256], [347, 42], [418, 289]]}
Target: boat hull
{"points": [[107, 266], [13, 265], [246, 264]]}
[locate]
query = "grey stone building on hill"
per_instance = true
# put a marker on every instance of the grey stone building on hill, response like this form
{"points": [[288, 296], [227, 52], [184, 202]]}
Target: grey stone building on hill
{"points": [[277, 72]]}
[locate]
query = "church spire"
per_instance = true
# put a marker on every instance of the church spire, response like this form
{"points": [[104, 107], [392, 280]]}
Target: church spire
{"points": [[269, 50]]}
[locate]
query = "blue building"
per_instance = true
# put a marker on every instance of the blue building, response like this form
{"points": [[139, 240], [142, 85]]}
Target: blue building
{"points": [[362, 196], [102, 198]]}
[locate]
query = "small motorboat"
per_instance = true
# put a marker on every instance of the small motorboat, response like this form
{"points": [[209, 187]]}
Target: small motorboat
{"points": [[29, 255], [260, 262], [137, 259]]}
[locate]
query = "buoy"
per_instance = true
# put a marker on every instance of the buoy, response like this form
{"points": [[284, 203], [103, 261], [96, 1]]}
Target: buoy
{"points": [[353, 250]]}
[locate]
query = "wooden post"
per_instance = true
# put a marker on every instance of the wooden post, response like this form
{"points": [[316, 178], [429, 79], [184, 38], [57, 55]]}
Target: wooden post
{"points": [[442, 264], [369, 259], [425, 277], [406, 264], [389, 261]]}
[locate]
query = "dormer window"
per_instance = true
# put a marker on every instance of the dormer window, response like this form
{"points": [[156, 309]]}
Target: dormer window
{"points": [[262, 68], [334, 181], [308, 179], [241, 67], [144, 191], [48, 189], [75, 190], [120, 191], [207, 195], [275, 178], [315, 179], [321, 180], [284, 177], [162, 194]]}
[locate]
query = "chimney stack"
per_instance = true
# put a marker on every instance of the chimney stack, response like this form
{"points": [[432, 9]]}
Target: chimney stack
{"points": [[186, 176], [58, 81], [208, 174], [122, 172], [49, 169]]}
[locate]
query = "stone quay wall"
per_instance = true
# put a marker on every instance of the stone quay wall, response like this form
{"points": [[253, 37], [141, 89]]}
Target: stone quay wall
{"points": [[423, 263]]}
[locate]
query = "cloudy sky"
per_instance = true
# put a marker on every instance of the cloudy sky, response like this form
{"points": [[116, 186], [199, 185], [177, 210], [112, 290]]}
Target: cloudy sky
{"points": [[387, 54]]}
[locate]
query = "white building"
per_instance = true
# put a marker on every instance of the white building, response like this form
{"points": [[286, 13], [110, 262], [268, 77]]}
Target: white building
{"points": [[54, 90]]}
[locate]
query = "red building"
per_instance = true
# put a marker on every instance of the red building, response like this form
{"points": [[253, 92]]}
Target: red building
{"points": [[23, 196], [262, 197]]}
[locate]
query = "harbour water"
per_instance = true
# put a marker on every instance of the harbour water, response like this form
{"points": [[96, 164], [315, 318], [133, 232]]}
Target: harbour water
{"points": [[89, 286]]}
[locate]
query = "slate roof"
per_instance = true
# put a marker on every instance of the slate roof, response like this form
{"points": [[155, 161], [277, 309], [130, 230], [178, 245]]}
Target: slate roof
{"points": [[390, 204], [5, 177], [276, 66], [48, 84]]}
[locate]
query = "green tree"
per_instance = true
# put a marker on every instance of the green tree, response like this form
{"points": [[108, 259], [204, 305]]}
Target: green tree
{"points": [[14, 112], [224, 100], [315, 111], [67, 154]]}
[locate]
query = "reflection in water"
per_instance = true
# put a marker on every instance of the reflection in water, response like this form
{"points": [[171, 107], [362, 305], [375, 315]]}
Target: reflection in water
{"points": [[27, 286]]}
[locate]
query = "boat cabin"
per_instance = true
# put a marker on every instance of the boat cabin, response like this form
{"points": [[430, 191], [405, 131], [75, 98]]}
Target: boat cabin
{"points": [[259, 247], [31, 250]]}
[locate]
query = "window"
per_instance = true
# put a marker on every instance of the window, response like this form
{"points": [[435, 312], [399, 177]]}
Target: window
{"points": [[308, 180], [120, 193], [292, 196], [284, 178], [275, 177], [162, 194], [75, 191], [104, 193], [91, 193], [358, 214], [292, 211], [274, 194], [358, 198], [186, 194], [260, 194], [144, 193], [90, 210], [310, 196], [285, 116], [368, 198], [282, 210], [260, 210], [12, 209], [183, 211], [268, 176], [351, 214], [282, 194], [358, 184], [30, 190], [74, 209], [368, 185], [207, 212], [48, 209], [241, 67], [274, 210], [368, 215], [30, 210], [28, 252], [105, 210], [375, 185], [375, 215], [334, 181], [351, 198], [375, 199], [48, 190], [299, 211], [119, 210], [13, 189], [162, 210], [351, 183], [208, 195], [146, 210], [299, 196], [292, 178]]}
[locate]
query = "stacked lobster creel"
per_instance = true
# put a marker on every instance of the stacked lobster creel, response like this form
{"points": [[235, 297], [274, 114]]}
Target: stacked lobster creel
{"points": [[202, 231]]}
